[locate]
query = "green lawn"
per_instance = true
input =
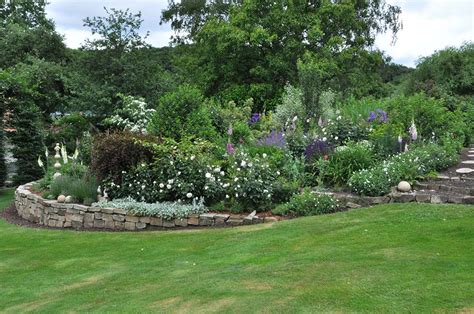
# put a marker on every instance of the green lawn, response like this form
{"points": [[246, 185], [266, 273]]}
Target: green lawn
{"points": [[393, 258]]}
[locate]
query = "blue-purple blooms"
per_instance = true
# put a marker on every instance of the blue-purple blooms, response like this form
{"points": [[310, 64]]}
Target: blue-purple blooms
{"points": [[383, 117], [254, 118], [317, 149], [372, 116], [275, 138]]}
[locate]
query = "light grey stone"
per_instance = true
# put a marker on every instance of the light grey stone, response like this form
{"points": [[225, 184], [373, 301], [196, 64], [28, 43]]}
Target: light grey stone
{"points": [[352, 205], [438, 199], [119, 211], [132, 218], [404, 186], [168, 223], [99, 223], [107, 210], [468, 200], [145, 220], [119, 218], [156, 221], [130, 225], [270, 219], [193, 220], [454, 199], [141, 225], [181, 222], [423, 198]]}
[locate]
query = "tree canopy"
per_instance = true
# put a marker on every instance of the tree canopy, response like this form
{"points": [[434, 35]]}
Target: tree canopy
{"points": [[251, 48]]}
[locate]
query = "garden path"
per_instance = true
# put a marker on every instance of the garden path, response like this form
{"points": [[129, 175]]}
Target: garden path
{"points": [[455, 184]]}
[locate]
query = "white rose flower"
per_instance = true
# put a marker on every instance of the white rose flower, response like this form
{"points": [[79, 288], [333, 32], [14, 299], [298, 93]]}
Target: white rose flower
{"points": [[189, 195], [208, 175], [162, 185], [192, 157], [222, 173], [168, 186]]}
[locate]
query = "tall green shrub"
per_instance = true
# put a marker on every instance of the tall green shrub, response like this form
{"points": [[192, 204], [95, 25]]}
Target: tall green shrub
{"points": [[27, 140], [182, 113]]}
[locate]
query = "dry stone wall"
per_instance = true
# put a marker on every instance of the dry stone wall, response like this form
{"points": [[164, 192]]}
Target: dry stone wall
{"points": [[35, 209]]}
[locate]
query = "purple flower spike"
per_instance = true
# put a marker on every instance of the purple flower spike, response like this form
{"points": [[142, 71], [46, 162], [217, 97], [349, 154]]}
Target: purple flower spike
{"points": [[372, 116], [230, 149], [254, 119], [383, 116], [317, 149], [273, 139]]}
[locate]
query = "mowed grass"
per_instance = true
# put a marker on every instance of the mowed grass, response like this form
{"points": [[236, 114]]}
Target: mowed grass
{"points": [[393, 258]]}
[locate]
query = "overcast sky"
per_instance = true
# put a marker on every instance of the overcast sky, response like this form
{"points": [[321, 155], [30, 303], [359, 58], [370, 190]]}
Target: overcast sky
{"points": [[428, 25]]}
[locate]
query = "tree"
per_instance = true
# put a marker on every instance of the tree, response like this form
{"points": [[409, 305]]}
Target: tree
{"points": [[46, 83], [119, 61], [29, 14], [118, 32], [15, 96], [446, 72], [250, 48]]}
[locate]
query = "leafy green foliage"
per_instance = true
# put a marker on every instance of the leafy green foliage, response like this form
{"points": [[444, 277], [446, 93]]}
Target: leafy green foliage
{"points": [[407, 166], [17, 44], [430, 115], [308, 203], [118, 31], [182, 113], [446, 72], [28, 14], [252, 47], [28, 141], [345, 161]]}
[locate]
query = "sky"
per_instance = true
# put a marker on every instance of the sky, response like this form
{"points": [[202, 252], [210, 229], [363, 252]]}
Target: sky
{"points": [[428, 25]]}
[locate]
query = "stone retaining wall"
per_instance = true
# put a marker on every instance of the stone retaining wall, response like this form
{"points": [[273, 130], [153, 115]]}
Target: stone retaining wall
{"points": [[53, 214], [431, 196]]}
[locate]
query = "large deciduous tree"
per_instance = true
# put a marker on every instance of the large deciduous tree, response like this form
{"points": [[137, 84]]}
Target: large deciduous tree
{"points": [[250, 48]]}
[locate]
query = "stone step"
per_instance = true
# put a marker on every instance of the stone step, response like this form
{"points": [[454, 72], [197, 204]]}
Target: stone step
{"points": [[438, 197], [460, 188]]}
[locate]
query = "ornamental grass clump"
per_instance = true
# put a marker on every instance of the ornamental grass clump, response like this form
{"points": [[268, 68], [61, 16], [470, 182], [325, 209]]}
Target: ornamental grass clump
{"points": [[165, 210]]}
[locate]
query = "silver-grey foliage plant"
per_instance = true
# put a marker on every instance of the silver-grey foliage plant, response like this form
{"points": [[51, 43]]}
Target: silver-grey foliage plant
{"points": [[165, 210]]}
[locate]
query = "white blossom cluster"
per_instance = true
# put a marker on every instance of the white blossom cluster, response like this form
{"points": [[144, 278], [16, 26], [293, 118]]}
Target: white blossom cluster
{"points": [[134, 116]]}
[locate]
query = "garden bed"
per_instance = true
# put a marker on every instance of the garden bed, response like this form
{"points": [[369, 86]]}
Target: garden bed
{"points": [[35, 209]]}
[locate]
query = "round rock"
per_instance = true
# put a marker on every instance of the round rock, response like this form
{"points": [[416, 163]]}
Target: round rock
{"points": [[61, 199], [404, 186], [68, 199], [464, 170]]}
